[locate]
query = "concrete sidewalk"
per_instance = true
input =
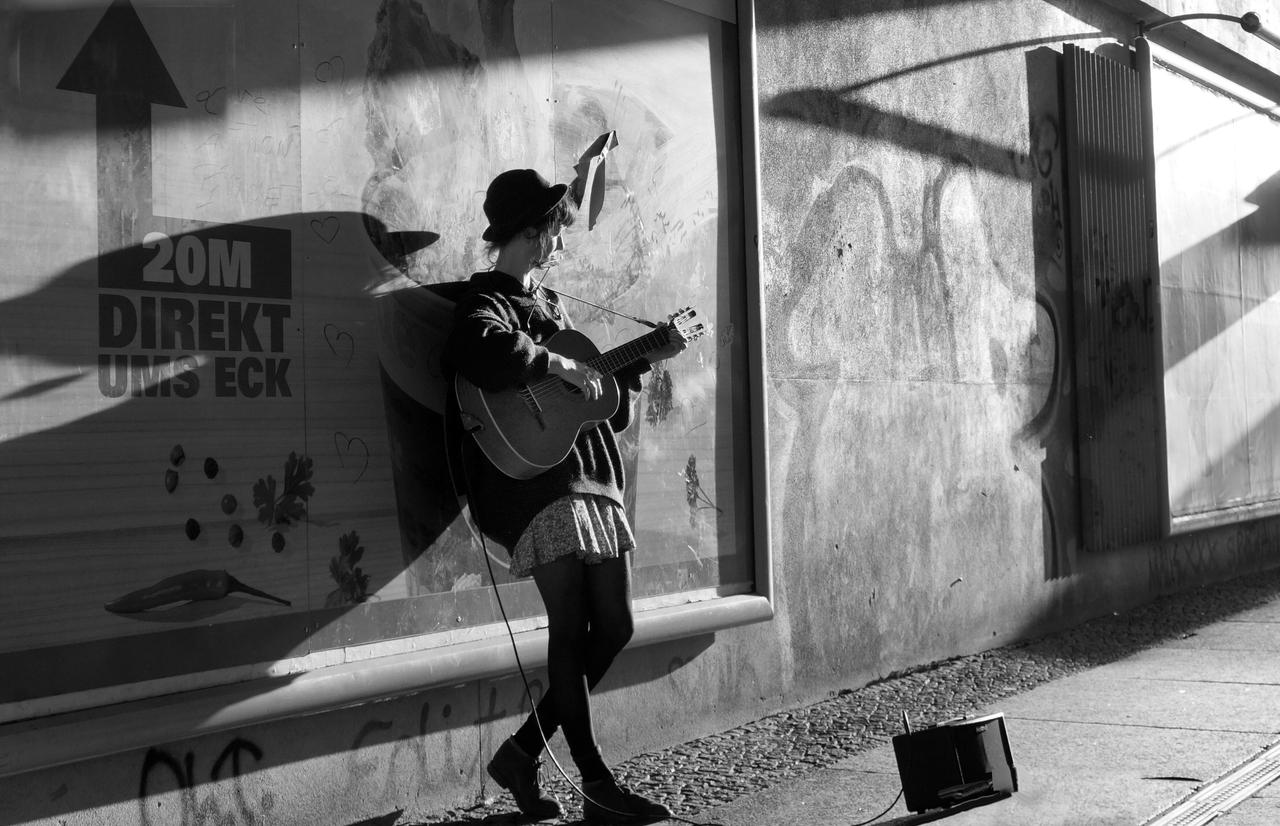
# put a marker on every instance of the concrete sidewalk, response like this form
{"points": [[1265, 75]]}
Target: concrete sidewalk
{"points": [[1113, 721], [1115, 744]]}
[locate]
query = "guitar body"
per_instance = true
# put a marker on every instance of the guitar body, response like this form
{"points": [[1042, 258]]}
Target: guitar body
{"points": [[529, 430]]}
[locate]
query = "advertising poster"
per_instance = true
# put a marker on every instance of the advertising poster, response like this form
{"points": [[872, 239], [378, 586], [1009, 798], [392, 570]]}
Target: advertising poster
{"points": [[229, 240]]}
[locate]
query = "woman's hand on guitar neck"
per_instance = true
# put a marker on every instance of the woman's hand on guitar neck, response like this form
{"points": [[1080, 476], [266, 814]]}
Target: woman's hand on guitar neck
{"points": [[677, 345], [577, 373]]}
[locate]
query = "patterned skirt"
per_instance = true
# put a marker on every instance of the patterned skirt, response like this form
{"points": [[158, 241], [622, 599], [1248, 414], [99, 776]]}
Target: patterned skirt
{"points": [[593, 528]]}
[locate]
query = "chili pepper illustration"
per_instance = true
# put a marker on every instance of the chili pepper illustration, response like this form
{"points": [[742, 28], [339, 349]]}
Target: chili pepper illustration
{"points": [[185, 587]]}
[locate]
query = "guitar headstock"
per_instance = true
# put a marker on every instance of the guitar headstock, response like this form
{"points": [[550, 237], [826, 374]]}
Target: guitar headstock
{"points": [[687, 324]]}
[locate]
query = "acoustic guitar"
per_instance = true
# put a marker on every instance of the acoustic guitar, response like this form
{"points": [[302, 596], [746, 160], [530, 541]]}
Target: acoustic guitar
{"points": [[528, 430]]}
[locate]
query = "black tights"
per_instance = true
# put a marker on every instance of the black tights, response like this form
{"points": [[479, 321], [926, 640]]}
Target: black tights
{"points": [[588, 623]]}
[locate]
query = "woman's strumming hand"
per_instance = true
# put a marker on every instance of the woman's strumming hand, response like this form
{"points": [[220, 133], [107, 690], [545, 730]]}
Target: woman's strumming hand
{"points": [[580, 374]]}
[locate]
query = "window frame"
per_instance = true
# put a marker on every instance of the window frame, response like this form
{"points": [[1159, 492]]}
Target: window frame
{"points": [[68, 728]]}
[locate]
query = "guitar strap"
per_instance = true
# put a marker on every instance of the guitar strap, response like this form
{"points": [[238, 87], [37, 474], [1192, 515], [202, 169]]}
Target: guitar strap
{"points": [[649, 324], [547, 272]]}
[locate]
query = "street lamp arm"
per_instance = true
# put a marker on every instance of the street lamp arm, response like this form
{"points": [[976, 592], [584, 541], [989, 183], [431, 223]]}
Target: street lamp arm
{"points": [[1249, 21]]}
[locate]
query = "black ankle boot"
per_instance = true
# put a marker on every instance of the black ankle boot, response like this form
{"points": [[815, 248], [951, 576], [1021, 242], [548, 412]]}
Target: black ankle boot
{"points": [[607, 802], [517, 772]]}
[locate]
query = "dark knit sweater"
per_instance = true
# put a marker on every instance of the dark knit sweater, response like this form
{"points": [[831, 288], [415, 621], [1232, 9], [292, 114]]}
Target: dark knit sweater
{"points": [[497, 344]]}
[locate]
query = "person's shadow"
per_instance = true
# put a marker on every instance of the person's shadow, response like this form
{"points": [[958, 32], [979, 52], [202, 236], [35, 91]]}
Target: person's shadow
{"points": [[53, 330]]}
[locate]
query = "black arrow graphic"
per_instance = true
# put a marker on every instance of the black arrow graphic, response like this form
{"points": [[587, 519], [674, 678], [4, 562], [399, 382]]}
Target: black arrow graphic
{"points": [[119, 64]]}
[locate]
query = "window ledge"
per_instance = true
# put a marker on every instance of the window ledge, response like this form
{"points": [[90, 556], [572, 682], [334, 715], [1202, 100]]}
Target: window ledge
{"points": [[1188, 523], [66, 738]]}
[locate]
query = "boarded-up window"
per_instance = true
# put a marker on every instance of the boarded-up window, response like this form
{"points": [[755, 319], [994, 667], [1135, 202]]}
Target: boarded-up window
{"points": [[1217, 175]]}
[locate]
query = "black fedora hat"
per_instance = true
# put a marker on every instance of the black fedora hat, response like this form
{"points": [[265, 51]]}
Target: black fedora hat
{"points": [[516, 199]]}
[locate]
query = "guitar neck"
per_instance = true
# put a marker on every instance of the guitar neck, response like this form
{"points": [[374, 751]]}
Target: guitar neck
{"points": [[614, 360]]}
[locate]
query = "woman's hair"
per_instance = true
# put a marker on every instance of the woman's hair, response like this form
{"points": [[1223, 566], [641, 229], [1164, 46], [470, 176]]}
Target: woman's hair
{"points": [[563, 212]]}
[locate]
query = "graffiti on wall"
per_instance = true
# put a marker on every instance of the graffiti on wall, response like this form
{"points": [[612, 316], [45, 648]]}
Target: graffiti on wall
{"points": [[1187, 561], [162, 770], [393, 752], [1053, 425], [887, 292]]}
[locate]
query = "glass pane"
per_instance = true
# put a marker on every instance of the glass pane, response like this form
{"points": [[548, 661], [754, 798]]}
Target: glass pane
{"points": [[228, 247]]}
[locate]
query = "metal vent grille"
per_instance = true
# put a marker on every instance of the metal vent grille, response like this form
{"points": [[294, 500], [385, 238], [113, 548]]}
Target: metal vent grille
{"points": [[1115, 294], [1224, 793]]}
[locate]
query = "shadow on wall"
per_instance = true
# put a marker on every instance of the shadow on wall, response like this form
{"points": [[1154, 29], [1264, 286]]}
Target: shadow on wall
{"points": [[1191, 332], [832, 109], [840, 109], [28, 34], [1054, 426], [915, 327], [1219, 298], [168, 361], [1256, 235], [389, 753], [56, 329]]}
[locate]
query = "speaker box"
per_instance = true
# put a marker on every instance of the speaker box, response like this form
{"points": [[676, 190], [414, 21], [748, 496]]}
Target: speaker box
{"points": [[955, 762]]}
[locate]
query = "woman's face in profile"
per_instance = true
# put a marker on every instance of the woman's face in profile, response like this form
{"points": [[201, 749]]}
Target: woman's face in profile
{"points": [[552, 241]]}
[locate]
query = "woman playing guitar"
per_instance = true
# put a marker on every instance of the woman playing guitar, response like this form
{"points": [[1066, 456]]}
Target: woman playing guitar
{"points": [[565, 526]]}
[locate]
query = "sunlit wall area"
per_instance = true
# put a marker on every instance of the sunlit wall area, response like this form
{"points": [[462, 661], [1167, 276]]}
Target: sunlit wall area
{"points": [[1218, 180], [240, 585]]}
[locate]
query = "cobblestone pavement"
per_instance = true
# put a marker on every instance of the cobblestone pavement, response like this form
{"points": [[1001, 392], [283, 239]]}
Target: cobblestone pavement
{"points": [[701, 774]]}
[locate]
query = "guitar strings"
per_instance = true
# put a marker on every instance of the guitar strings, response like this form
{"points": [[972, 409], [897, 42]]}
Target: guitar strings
{"points": [[606, 362], [555, 383]]}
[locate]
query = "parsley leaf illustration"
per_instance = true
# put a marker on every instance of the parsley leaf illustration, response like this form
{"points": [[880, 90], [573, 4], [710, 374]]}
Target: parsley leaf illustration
{"points": [[264, 498], [660, 397], [290, 505], [353, 583]]}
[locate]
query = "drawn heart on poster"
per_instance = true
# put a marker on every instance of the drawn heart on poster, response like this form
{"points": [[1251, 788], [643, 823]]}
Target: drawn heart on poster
{"points": [[331, 70], [326, 229], [333, 336], [352, 451]]}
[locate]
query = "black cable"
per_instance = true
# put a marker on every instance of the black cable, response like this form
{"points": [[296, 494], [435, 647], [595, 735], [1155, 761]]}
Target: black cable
{"points": [[903, 772], [882, 814], [547, 271]]}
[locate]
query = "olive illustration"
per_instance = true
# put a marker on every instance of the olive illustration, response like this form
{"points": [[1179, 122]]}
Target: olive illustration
{"points": [[171, 480], [193, 529], [229, 504], [235, 535], [177, 455], [211, 467], [277, 542]]}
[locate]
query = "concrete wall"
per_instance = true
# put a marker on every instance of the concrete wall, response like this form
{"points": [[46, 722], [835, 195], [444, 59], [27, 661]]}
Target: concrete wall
{"points": [[919, 342], [920, 435]]}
